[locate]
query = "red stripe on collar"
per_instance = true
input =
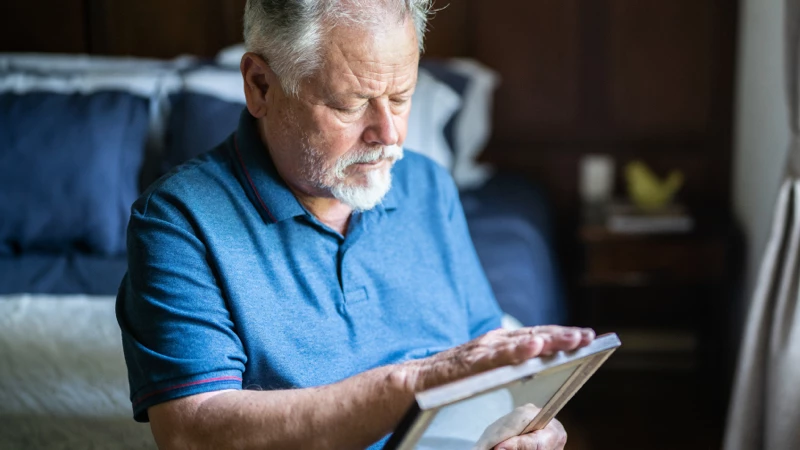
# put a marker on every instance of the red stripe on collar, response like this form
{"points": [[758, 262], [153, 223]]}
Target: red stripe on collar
{"points": [[250, 180]]}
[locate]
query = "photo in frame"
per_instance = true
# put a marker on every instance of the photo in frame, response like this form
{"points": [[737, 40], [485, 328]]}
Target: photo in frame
{"points": [[463, 414]]}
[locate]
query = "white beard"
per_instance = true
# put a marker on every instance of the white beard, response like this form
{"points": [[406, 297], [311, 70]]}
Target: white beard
{"points": [[361, 194]]}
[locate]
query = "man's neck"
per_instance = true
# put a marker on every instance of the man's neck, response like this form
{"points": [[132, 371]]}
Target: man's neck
{"points": [[329, 211]]}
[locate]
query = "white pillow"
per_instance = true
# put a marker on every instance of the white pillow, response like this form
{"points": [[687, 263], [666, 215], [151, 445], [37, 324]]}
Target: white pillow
{"points": [[225, 84], [230, 57], [48, 63], [474, 125], [432, 106]]}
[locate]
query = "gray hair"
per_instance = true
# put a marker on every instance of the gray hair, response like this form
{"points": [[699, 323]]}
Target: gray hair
{"points": [[288, 33]]}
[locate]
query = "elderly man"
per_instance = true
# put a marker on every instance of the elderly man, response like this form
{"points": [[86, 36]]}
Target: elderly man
{"points": [[295, 286]]}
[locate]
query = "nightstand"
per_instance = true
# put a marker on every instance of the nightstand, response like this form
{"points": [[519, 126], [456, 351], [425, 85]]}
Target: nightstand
{"points": [[662, 293], [668, 296]]}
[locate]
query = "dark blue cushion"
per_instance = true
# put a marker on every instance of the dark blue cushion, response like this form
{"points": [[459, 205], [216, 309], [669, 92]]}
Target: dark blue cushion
{"points": [[69, 167], [61, 274], [515, 247], [197, 123]]}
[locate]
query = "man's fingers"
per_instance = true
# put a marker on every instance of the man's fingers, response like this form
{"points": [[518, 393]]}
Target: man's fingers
{"points": [[513, 347], [517, 350], [542, 329], [587, 336], [499, 348], [557, 338], [553, 437], [539, 440], [510, 425]]}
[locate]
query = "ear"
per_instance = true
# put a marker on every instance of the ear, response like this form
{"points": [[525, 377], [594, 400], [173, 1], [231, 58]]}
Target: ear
{"points": [[258, 80]]}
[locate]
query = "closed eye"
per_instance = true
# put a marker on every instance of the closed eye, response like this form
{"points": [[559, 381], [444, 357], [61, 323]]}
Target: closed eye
{"points": [[351, 110]]}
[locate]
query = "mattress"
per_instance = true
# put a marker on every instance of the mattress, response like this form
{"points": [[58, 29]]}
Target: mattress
{"points": [[63, 381]]}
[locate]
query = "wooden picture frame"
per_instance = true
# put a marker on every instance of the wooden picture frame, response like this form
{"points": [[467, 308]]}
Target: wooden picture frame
{"points": [[556, 378]]}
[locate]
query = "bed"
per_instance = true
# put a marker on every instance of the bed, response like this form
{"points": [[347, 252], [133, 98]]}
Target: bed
{"points": [[66, 194]]}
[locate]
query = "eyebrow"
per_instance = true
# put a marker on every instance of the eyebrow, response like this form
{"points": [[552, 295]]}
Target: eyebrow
{"points": [[368, 96]]}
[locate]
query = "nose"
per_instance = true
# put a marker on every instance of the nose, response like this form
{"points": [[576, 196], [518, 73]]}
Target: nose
{"points": [[381, 129]]}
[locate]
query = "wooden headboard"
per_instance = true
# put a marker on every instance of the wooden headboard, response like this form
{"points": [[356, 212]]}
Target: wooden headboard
{"points": [[650, 79]]}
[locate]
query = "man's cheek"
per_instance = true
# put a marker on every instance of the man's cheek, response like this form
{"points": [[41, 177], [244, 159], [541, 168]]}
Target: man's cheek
{"points": [[401, 136], [401, 125]]}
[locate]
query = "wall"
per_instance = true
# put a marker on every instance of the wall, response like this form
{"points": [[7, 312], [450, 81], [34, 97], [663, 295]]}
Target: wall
{"points": [[762, 127], [637, 79]]}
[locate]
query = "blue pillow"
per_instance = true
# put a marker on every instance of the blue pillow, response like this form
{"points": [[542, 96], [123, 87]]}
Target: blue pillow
{"points": [[69, 166], [197, 123]]}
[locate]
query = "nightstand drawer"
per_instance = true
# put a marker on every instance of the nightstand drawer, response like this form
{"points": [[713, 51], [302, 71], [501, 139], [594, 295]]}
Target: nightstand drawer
{"points": [[656, 350], [612, 307], [635, 261]]}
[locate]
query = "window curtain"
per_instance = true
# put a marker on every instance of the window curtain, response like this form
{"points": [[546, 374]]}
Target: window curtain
{"points": [[765, 403]]}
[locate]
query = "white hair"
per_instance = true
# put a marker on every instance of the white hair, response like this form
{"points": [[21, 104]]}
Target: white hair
{"points": [[289, 33]]}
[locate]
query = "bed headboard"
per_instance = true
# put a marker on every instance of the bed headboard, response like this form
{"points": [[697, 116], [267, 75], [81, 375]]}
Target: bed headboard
{"points": [[647, 79]]}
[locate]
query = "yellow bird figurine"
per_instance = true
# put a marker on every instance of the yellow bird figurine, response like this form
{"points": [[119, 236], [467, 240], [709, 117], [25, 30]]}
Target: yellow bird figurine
{"points": [[646, 190]]}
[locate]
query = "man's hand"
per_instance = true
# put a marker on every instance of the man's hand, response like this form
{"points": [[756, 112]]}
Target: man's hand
{"points": [[551, 437], [504, 433], [356, 411], [494, 349]]}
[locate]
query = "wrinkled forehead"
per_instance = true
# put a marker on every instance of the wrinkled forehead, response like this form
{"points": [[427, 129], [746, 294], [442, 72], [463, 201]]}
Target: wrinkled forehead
{"points": [[372, 59]]}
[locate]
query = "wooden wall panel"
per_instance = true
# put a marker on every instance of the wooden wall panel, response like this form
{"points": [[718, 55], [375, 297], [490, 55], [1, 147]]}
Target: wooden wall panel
{"points": [[164, 29], [662, 63], [36, 26], [535, 45], [448, 31], [650, 79]]}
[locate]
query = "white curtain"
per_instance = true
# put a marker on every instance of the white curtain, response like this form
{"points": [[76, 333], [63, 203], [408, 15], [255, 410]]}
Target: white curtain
{"points": [[765, 405]]}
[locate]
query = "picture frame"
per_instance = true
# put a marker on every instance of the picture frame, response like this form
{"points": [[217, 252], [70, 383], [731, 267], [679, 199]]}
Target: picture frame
{"points": [[436, 420]]}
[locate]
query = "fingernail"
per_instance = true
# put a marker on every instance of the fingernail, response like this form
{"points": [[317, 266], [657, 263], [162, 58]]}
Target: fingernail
{"points": [[570, 334]]}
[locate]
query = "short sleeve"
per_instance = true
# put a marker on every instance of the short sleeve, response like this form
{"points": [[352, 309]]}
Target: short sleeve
{"points": [[484, 313], [177, 333]]}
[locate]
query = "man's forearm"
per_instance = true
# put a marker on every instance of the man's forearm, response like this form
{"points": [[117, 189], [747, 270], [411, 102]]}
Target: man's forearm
{"points": [[351, 414]]}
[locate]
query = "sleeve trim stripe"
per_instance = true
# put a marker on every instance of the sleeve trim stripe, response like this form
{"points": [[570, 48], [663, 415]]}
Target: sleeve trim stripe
{"points": [[192, 383]]}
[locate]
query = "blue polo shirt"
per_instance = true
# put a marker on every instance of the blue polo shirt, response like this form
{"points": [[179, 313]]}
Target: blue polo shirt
{"points": [[233, 284]]}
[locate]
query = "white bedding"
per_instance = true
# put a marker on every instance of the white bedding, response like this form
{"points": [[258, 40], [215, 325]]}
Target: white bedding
{"points": [[63, 382]]}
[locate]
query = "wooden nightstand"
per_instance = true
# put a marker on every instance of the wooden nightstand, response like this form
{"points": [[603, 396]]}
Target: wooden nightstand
{"points": [[662, 293], [668, 296]]}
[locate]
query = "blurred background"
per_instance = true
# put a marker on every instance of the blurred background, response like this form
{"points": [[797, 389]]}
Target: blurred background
{"points": [[631, 149]]}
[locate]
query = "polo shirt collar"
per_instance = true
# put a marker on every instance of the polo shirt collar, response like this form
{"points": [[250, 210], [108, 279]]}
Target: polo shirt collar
{"points": [[265, 187], [389, 201]]}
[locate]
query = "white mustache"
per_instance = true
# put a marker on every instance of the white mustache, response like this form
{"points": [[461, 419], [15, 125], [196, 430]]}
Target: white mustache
{"points": [[388, 152], [392, 152]]}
